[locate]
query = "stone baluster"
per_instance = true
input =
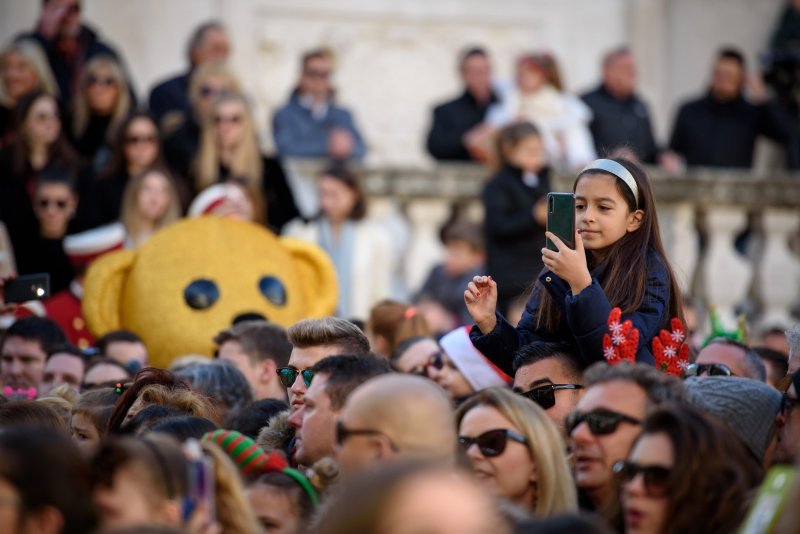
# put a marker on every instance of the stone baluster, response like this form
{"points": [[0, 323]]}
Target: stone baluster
{"points": [[778, 279], [679, 231], [726, 274], [426, 217]]}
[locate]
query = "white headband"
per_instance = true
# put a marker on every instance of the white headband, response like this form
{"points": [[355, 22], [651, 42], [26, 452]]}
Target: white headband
{"points": [[612, 167]]}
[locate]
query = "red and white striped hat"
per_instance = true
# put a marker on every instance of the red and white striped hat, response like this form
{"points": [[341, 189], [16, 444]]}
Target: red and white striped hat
{"points": [[85, 247], [476, 368], [211, 198]]}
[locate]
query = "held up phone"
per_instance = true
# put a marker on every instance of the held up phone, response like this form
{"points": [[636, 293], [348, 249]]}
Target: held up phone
{"points": [[561, 218], [27, 287], [201, 481]]}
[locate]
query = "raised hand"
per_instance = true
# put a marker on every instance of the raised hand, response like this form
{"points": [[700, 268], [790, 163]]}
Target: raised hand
{"points": [[481, 300], [568, 264]]}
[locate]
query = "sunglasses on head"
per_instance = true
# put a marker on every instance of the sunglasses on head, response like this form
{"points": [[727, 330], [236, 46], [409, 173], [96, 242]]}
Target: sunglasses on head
{"points": [[656, 477], [545, 396], [104, 81], [288, 375], [600, 422], [45, 203], [435, 360], [491, 443], [710, 369]]}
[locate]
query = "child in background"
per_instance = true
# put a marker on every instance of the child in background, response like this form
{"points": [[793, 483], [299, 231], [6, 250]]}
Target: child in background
{"points": [[515, 203], [618, 261], [464, 258], [150, 202], [90, 417]]}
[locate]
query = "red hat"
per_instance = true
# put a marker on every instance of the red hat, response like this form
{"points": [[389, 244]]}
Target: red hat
{"points": [[85, 247], [211, 198]]}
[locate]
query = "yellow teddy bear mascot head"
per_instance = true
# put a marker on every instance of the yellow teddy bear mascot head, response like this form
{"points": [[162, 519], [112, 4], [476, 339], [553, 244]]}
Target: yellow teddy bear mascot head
{"points": [[191, 279]]}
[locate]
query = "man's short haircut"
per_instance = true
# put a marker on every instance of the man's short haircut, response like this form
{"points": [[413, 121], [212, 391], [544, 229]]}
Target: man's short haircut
{"points": [[94, 361], [329, 331], [778, 359], [260, 340], [199, 35], [734, 54], [40, 329], [753, 364], [538, 351], [116, 336], [316, 53], [66, 348], [659, 387], [465, 231], [347, 372], [615, 54], [470, 53], [793, 339]]}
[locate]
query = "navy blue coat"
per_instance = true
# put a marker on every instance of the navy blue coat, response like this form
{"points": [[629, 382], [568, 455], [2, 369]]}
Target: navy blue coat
{"points": [[584, 318]]}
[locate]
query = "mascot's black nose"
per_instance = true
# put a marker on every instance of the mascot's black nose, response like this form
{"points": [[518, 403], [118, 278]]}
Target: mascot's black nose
{"points": [[248, 316]]}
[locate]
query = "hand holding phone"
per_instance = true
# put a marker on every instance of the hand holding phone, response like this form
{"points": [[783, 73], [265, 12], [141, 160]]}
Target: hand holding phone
{"points": [[561, 219], [27, 287]]}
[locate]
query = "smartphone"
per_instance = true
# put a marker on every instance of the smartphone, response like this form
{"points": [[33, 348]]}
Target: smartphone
{"points": [[561, 218], [201, 481], [27, 287]]}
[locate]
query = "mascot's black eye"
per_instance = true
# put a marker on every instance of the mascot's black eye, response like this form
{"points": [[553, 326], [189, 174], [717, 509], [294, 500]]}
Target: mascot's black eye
{"points": [[273, 290], [201, 294]]}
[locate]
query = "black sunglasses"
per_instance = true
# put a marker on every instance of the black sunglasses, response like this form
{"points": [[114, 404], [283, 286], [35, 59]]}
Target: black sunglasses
{"points": [[711, 369], [656, 477], [435, 360], [342, 433], [491, 443], [545, 396], [288, 375], [601, 422]]}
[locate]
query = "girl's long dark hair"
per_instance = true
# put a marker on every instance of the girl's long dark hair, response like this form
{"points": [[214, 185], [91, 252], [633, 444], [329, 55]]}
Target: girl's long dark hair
{"points": [[624, 279]]}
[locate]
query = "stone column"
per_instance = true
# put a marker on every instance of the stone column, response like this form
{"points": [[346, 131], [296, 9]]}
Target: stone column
{"points": [[778, 279], [426, 217], [726, 274], [678, 228]]}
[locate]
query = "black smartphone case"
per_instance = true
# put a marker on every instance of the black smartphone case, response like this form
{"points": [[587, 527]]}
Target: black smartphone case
{"points": [[27, 287]]}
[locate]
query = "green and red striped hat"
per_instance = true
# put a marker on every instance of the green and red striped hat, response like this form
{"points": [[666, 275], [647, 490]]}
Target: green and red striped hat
{"points": [[245, 453]]}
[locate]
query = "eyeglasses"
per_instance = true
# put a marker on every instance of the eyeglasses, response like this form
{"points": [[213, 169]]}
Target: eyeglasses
{"points": [[435, 360], [492, 442], [233, 119], [711, 369], [288, 375], [545, 396], [314, 73], [656, 477], [601, 422], [137, 139], [106, 81], [207, 91], [45, 203], [343, 433]]}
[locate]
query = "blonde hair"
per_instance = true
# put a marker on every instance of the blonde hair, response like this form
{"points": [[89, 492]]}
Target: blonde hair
{"points": [[122, 109], [555, 487], [129, 214], [329, 331], [185, 400], [234, 513], [35, 57], [246, 164]]}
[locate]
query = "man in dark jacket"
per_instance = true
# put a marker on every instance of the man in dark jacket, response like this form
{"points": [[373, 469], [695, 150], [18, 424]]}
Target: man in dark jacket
{"points": [[67, 43], [208, 44], [720, 128], [621, 120], [456, 132]]}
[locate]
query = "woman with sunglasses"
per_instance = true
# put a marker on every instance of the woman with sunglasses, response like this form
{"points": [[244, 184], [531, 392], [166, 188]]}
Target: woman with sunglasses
{"points": [[102, 104], [516, 452], [686, 473]]}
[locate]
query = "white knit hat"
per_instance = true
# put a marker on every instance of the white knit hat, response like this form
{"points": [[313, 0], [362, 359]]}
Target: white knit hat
{"points": [[476, 368]]}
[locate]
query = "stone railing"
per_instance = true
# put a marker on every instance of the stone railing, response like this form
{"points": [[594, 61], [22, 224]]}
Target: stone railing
{"points": [[703, 216]]}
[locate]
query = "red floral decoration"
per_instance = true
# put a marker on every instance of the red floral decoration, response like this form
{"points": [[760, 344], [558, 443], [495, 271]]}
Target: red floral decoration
{"points": [[621, 342], [670, 349]]}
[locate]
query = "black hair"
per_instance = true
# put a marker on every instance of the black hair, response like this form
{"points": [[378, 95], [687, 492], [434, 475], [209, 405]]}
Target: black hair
{"points": [[247, 317], [347, 372], [255, 416], [148, 417], [299, 497], [734, 54], [66, 348], [540, 350], [183, 427], [57, 174], [199, 35], [125, 336], [752, 361], [340, 172], [471, 52], [41, 329], [510, 136], [406, 344]]}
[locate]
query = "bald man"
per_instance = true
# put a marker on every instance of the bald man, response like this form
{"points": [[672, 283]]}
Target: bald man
{"points": [[395, 417]]}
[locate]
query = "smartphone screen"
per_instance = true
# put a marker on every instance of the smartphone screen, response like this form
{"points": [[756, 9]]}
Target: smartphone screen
{"points": [[561, 218]]}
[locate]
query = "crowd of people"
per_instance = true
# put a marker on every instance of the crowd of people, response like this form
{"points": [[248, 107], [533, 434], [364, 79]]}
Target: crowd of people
{"points": [[522, 388]]}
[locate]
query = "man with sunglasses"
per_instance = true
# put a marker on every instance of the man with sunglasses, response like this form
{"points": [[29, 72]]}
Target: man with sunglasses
{"points": [[312, 340], [608, 419], [726, 357], [335, 377], [550, 375], [395, 417]]}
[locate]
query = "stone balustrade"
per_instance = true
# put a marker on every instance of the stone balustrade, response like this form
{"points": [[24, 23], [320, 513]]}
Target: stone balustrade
{"points": [[702, 214]]}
